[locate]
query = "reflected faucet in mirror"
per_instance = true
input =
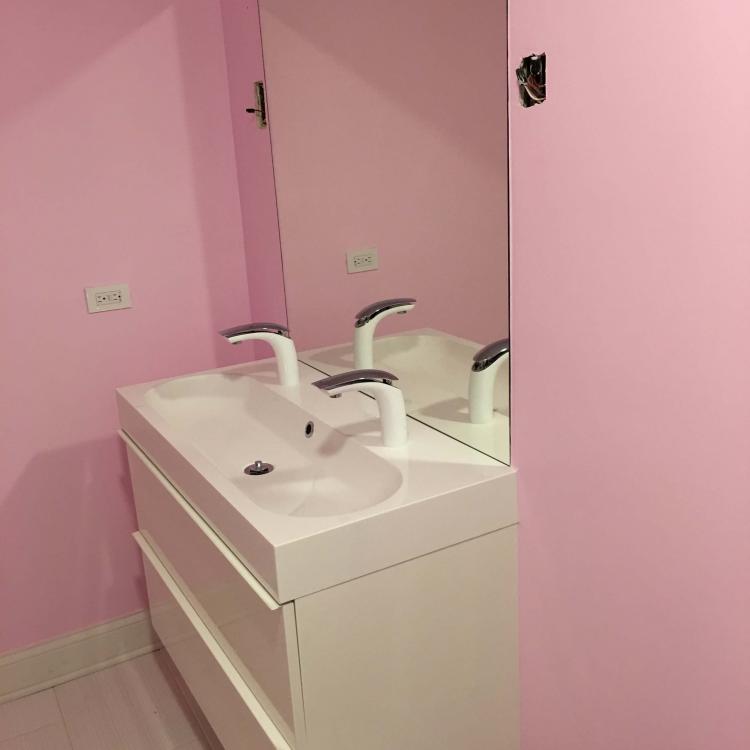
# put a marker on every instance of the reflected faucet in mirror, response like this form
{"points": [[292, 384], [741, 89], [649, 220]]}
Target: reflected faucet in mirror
{"points": [[366, 321], [379, 385], [484, 371], [278, 337]]}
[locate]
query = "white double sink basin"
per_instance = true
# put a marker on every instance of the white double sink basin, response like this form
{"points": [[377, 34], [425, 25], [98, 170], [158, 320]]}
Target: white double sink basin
{"points": [[338, 504]]}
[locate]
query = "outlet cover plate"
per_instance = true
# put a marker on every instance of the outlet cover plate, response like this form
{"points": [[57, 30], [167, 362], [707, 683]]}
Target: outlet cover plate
{"points": [[106, 298], [362, 260]]}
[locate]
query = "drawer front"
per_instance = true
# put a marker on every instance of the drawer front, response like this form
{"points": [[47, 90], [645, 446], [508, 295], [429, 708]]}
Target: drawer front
{"points": [[233, 711], [258, 634]]}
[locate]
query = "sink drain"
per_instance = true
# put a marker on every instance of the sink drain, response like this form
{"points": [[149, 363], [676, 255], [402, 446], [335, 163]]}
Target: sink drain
{"points": [[257, 468]]}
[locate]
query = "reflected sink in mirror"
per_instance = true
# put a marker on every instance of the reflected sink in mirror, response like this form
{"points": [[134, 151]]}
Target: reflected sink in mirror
{"points": [[233, 420], [433, 370]]}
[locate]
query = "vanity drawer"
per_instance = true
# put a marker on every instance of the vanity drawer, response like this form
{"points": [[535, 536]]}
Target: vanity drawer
{"points": [[257, 634], [229, 705]]}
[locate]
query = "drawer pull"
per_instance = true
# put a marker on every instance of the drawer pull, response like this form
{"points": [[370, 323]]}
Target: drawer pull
{"points": [[212, 536], [253, 706]]}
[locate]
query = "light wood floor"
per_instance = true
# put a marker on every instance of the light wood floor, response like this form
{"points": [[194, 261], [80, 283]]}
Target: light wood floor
{"points": [[136, 705]]}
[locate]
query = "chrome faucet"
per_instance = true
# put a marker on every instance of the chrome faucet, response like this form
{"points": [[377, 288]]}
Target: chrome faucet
{"points": [[278, 337], [487, 362], [367, 319], [379, 385]]}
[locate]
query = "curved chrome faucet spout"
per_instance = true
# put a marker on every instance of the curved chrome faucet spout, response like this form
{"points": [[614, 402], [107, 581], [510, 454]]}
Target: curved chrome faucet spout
{"points": [[379, 385], [278, 337], [398, 305], [367, 319], [490, 354], [487, 362], [242, 332]]}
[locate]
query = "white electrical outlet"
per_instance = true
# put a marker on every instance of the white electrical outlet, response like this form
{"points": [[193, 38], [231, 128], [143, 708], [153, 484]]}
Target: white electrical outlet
{"points": [[362, 260], [106, 298]]}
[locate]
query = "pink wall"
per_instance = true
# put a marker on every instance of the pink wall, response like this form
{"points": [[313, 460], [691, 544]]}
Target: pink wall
{"points": [[631, 311], [254, 164], [389, 129], [117, 165]]}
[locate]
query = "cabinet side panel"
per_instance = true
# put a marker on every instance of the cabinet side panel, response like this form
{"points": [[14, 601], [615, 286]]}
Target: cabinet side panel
{"points": [[420, 656]]}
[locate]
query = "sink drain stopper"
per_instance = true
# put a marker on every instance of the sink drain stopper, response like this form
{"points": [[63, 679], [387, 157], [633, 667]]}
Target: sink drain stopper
{"points": [[258, 467]]}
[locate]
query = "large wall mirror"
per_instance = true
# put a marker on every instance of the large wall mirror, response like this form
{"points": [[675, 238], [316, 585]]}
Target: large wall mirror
{"points": [[389, 135]]}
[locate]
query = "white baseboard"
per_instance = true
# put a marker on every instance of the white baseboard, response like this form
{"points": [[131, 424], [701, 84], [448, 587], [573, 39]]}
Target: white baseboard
{"points": [[73, 655]]}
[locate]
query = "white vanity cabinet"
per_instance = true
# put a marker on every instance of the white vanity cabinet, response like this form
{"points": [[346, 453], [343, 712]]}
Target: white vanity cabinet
{"points": [[418, 656]]}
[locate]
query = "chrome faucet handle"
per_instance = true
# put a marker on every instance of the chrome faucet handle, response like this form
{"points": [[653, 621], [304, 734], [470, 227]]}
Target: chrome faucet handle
{"points": [[354, 377], [366, 314], [489, 354], [248, 328]]}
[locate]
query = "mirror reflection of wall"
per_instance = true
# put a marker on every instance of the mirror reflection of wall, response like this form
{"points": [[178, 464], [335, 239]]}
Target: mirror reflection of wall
{"points": [[389, 129], [387, 133]]}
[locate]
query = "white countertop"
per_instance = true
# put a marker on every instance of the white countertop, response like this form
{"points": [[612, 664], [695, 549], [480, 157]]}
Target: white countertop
{"points": [[438, 491]]}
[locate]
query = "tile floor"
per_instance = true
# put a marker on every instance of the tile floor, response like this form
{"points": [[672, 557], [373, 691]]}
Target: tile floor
{"points": [[136, 705]]}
